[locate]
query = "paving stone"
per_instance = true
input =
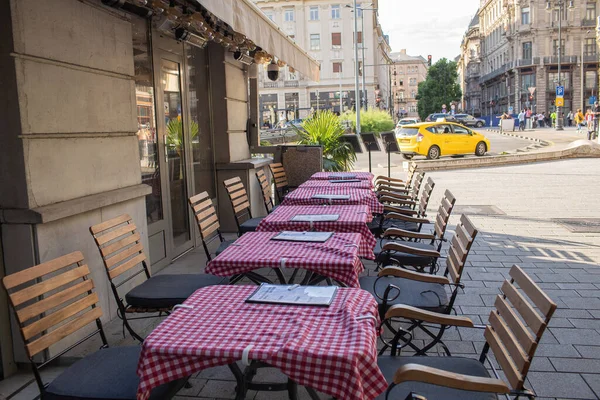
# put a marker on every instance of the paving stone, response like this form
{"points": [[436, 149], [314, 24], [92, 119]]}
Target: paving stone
{"points": [[575, 336], [197, 385], [218, 389], [594, 381], [554, 384], [583, 303], [588, 351], [555, 278], [486, 276], [559, 350], [575, 364]]}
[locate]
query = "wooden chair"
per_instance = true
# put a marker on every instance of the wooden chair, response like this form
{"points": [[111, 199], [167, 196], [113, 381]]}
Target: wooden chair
{"points": [[514, 330], [123, 256], [56, 300], [407, 197], [394, 286], [265, 187], [416, 249], [241, 206], [208, 223], [382, 181], [280, 178], [390, 218]]}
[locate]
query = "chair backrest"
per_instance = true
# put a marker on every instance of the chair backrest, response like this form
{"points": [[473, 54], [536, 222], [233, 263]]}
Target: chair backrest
{"points": [[412, 169], [443, 215], [206, 217], [51, 301], [416, 185], [516, 326], [460, 245], [265, 187], [280, 179], [239, 200], [425, 197], [121, 249]]}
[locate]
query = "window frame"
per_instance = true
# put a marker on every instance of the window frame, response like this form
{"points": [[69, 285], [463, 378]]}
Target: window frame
{"points": [[529, 50], [336, 11], [313, 11], [338, 37], [317, 37], [525, 12], [588, 8], [339, 64], [286, 13]]}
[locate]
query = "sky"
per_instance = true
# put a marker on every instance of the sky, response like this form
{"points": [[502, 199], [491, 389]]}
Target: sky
{"points": [[425, 27]]}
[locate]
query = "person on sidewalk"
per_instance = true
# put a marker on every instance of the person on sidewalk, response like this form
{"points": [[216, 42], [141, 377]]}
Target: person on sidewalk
{"points": [[527, 118], [570, 118], [579, 118], [540, 119], [596, 114], [589, 120], [553, 118], [521, 117]]}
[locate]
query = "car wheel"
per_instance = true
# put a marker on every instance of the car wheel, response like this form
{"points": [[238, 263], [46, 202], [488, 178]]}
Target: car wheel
{"points": [[433, 153], [479, 124], [408, 156], [480, 149]]}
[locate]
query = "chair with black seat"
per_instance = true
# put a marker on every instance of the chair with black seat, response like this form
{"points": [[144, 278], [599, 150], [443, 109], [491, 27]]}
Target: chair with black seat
{"points": [[265, 188], [241, 206], [55, 300], [416, 249], [282, 186], [514, 330], [123, 256], [396, 285], [208, 223]]}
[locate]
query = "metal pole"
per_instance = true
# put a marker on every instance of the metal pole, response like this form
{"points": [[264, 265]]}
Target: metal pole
{"points": [[341, 96], [559, 121], [356, 95], [362, 45], [582, 76]]}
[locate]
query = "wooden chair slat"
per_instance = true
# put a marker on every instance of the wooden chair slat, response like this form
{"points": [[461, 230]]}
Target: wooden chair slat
{"points": [[209, 230], [18, 278], [461, 251], [111, 223], [231, 181], [60, 333], [235, 188], [59, 316], [208, 222], [201, 206], [440, 226], [113, 273], [116, 246], [442, 211], [519, 357], [466, 222], [112, 235], [279, 174], [47, 285], [205, 214], [523, 335], [118, 257], [462, 236], [54, 300], [530, 316], [446, 204], [450, 197], [533, 291], [241, 207], [199, 197], [239, 200], [452, 271], [513, 375]]}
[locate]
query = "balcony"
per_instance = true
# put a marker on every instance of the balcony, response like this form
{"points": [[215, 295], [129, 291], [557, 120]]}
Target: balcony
{"points": [[588, 22], [506, 67], [590, 58], [270, 85], [290, 84], [563, 60]]}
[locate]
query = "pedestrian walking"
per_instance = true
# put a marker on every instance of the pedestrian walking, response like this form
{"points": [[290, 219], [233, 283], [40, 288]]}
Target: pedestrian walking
{"points": [[528, 113], [540, 119], [570, 118], [521, 117], [589, 120], [553, 118], [596, 115], [579, 118]]}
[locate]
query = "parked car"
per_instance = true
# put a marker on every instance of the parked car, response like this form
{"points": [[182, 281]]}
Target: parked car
{"points": [[406, 121], [469, 120], [295, 122], [434, 117], [435, 139]]}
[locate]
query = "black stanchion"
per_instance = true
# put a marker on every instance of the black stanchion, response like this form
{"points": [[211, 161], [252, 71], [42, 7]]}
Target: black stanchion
{"points": [[371, 144], [391, 145]]}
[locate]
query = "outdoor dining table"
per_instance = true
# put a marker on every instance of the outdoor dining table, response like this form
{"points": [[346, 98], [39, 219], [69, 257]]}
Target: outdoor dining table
{"points": [[307, 197], [363, 176], [330, 349], [349, 219], [337, 258], [351, 183]]}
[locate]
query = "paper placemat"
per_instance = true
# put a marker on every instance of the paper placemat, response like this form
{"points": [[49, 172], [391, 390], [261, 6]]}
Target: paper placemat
{"points": [[293, 295], [291, 236], [315, 217]]}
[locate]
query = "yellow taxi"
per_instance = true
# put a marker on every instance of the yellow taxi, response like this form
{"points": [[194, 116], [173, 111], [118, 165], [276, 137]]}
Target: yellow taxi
{"points": [[435, 139]]}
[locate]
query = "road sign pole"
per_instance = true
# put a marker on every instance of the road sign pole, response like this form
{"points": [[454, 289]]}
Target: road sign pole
{"points": [[559, 120]]}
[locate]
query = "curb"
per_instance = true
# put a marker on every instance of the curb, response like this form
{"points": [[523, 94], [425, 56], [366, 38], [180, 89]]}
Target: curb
{"points": [[540, 141]]}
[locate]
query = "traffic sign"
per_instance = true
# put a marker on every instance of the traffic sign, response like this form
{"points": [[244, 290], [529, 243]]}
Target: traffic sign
{"points": [[592, 100], [531, 90], [560, 102], [510, 109], [560, 91]]}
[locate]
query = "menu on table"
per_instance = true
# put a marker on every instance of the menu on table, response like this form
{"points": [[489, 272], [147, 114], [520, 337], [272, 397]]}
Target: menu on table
{"points": [[343, 180], [315, 217], [331, 196], [291, 236], [293, 295], [342, 176]]}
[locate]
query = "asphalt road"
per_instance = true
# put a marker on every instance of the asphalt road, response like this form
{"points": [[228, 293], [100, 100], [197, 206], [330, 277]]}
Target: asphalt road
{"points": [[499, 143]]}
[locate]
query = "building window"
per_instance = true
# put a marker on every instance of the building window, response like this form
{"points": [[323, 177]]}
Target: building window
{"points": [[335, 11], [413, 93], [555, 47], [556, 13], [315, 41], [314, 13], [527, 51], [337, 67], [412, 81], [359, 37], [359, 11], [591, 80], [590, 11], [525, 15], [565, 78], [590, 47], [336, 40], [288, 15]]}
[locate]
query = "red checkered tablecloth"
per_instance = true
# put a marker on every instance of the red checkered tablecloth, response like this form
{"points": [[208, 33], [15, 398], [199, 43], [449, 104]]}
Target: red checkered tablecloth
{"points": [[320, 183], [364, 176], [351, 219], [304, 197], [337, 258], [331, 349]]}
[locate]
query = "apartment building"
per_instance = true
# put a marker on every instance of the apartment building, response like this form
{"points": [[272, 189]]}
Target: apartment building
{"points": [[407, 72], [520, 48], [326, 30], [469, 69]]}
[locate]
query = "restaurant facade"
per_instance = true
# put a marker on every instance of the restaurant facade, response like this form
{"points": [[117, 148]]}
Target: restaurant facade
{"points": [[125, 106]]}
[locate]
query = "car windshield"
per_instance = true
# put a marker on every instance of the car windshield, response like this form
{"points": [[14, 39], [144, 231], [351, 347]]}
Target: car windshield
{"points": [[407, 131]]}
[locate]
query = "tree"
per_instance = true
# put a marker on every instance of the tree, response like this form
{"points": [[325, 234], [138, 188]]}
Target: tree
{"points": [[440, 87]]}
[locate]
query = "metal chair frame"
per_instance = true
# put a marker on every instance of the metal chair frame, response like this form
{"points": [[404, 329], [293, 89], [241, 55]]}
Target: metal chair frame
{"points": [[265, 187], [282, 186], [239, 200]]}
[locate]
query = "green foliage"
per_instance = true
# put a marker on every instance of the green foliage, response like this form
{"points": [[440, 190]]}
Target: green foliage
{"points": [[440, 87], [175, 132], [372, 120], [325, 128]]}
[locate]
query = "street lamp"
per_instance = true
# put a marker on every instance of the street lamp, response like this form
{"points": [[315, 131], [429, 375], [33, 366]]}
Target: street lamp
{"points": [[559, 4]]}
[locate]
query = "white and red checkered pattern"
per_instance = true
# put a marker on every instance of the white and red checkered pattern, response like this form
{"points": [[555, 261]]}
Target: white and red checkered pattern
{"points": [[331, 349], [303, 197], [337, 258], [320, 183], [351, 219], [363, 176]]}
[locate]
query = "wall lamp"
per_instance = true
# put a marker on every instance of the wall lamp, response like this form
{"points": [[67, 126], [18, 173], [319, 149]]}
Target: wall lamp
{"points": [[243, 57], [182, 34]]}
